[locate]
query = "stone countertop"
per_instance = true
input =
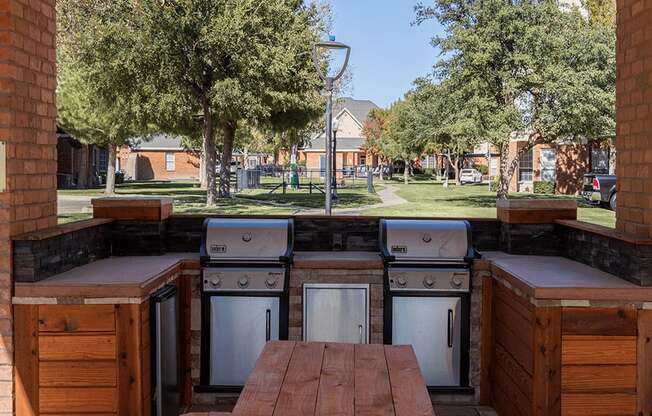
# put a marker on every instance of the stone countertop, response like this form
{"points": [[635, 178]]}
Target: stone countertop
{"points": [[345, 260], [559, 278], [123, 279]]}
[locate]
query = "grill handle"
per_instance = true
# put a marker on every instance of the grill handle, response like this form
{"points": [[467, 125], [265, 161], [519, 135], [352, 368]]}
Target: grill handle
{"points": [[450, 329], [268, 325], [360, 328]]}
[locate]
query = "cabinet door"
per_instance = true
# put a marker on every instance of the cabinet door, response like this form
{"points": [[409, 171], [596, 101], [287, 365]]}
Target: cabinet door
{"points": [[336, 313], [432, 325], [239, 327]]}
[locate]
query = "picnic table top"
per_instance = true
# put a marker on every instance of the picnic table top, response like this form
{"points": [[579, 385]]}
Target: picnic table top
{"points": [[298, 378]]}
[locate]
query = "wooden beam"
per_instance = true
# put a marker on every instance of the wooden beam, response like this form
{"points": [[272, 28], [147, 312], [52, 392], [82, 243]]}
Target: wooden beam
{"points": [[129, 339], [546, 394], [644, 362], [26, 360], [487, 342]]}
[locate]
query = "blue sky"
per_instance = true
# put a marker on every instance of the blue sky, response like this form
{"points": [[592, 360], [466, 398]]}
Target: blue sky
{"points": [[387, 52]]}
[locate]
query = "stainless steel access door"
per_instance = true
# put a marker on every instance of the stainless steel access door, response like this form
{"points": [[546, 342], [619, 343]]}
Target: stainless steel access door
{"points": [[432, 325], [336, 313], [240, 327]]}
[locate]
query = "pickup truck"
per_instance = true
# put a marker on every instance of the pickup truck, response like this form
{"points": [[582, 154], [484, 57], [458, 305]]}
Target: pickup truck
{"points": [[600, 190]]}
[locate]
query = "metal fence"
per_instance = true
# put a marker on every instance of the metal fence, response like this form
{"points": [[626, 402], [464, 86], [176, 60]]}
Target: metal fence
{"points": [[278, 179]]}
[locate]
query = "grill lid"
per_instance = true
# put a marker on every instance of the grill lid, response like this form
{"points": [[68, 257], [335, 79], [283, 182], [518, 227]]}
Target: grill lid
{"points": [[420, 241], [250, 240]]}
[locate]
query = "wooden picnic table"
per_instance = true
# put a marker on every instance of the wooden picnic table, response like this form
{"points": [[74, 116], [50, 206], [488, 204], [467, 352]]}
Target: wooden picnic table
{"points": [[324, 379]]}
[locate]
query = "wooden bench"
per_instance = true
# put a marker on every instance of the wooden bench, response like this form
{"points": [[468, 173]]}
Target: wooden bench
{"points": [[297, 378]]}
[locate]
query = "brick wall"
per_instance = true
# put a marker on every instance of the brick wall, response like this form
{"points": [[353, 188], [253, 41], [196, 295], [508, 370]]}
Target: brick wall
{"points": [[151, 165], [27, 125], [634, 117]]}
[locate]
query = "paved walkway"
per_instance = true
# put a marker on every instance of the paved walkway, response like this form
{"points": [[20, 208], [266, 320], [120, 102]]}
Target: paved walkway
{"points": [[387, 195], [74, 204]]}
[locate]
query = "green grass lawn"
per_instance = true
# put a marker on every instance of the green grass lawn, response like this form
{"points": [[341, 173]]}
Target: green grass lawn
{"points": [[429, 198], [425, 198]]}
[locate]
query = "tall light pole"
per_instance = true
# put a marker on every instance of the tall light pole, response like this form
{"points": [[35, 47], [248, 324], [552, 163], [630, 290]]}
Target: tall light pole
{"points": [[329, 75], [335, 127]]}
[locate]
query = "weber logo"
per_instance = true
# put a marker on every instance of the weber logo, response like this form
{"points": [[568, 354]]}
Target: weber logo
{"points": [[215, 249], [399, 249]]}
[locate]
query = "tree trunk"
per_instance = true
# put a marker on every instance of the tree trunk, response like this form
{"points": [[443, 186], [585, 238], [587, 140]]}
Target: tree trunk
{"points": [[209, 155], [82, 174], [406, 173], [447, 164], [110, 170], [456, 169], [503, 178], [202, 166], [229, 128]]}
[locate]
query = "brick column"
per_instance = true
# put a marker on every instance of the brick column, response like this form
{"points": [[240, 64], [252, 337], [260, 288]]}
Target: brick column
{"points": [[634, 117], [27, 126]]}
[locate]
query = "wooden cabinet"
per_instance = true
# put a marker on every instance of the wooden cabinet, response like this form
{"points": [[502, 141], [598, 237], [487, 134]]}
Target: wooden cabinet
{"points": [[564, 360], [82, 359]]}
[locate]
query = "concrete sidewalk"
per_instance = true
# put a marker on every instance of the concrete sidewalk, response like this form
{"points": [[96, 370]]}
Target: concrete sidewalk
{"points": [[387, 195]]}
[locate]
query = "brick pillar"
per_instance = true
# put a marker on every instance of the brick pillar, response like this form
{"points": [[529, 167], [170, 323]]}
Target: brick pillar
{"points": [[27, 126], [634, 117]]}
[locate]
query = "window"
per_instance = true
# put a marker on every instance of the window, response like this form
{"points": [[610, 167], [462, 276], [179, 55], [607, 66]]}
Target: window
{"points": [[493, 169], [548, 165], [170, 162], [525, 167], [600, 160]]}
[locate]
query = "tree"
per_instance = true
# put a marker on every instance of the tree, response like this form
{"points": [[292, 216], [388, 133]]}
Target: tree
{"points": [[372, 130], [209, 65], [526, 67], [233, 61], [91, 106]]}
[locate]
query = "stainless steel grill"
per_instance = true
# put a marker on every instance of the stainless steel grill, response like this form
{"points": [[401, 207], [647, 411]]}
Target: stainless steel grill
{"points": [[427, 295], [245, 275]]}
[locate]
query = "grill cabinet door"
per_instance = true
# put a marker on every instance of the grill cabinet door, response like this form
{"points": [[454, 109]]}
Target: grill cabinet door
{"points": [[432, 326], [336, 313], [238, 335]]}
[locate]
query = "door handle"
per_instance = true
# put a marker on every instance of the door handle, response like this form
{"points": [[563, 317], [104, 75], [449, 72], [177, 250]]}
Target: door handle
{"points": [[450, 328], [268, 325]]}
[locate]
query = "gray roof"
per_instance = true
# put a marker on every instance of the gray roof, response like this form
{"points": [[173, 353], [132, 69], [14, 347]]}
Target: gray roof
{"points": [[343, 143], [157, 141], [359, 108]]}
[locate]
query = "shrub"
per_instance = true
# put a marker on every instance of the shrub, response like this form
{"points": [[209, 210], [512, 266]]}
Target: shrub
{"points": [[494, 184], [544, 187], [429, 171], [481, 168]]}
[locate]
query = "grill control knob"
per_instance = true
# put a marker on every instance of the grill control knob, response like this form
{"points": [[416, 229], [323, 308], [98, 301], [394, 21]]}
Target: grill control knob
{"points": [[243, 282], [401, 282], [457, 281], [429, 282], [215, 282], [271, 283]]}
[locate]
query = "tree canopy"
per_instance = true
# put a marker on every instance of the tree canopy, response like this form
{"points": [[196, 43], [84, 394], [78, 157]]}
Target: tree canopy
{"points": [[198, 66], [525, 67]]}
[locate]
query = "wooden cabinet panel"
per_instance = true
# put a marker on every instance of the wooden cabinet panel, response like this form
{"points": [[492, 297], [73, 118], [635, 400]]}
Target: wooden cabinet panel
{"points": [[76, 318], [76, 400], [598, 404], [78, 374], [598, 350], [599, 321], [598, 378], [77, 347]]}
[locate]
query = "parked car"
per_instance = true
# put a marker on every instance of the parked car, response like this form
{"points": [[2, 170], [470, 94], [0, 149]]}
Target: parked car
{"points": [[600, 190], [470, 176]]}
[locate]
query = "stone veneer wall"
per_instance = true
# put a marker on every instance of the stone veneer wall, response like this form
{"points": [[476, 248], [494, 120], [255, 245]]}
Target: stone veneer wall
{"points": [[374, 278], [27, 127]]}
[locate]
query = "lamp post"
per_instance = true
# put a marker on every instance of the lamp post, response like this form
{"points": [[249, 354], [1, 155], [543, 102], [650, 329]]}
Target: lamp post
{"points": [[335, 127], [329, 75]]}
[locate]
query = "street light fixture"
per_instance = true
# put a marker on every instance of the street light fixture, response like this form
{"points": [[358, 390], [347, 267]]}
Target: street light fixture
{"points": [[330, 72]]}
